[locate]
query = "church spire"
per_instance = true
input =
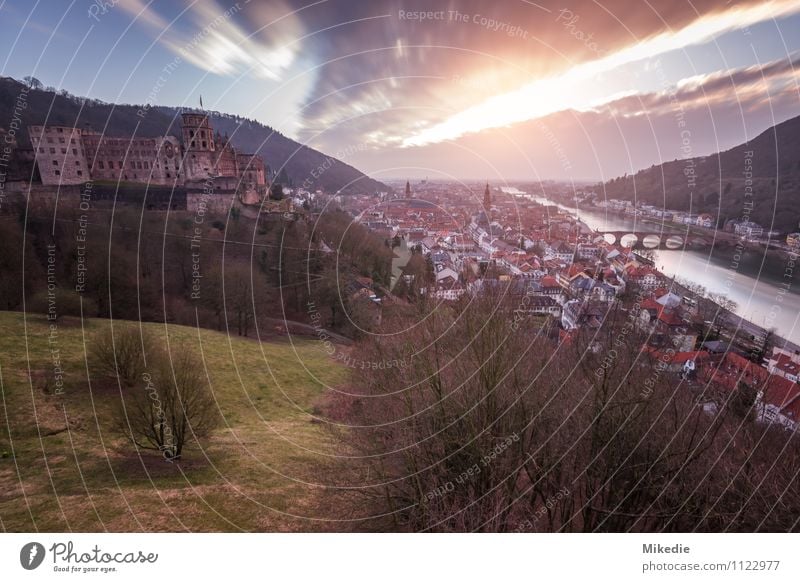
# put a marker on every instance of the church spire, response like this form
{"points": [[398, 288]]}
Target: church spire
{"points": [[487, 197], [408, 189]]}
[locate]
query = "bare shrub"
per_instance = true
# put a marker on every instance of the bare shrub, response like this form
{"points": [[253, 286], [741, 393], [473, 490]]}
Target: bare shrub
{"points": [[170, 408], [121, 353]]}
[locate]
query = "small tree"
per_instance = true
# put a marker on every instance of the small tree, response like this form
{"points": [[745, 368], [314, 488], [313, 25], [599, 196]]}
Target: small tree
{"points": [[171, 408], [743, 399], [33, 82]]}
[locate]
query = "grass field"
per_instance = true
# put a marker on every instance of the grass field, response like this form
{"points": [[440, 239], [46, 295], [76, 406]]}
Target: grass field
{"points": [[62, 468]]}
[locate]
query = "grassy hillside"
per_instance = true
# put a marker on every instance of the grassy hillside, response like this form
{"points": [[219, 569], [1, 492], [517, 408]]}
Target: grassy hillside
{"points": [[719, 181], [62, 468]]}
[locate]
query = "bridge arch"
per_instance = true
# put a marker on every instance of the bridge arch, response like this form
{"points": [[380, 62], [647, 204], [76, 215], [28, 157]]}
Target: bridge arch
{"points": [[629, 240]]}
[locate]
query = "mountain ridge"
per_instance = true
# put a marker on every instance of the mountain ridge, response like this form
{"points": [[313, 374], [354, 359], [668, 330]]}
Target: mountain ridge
{"points": [[764, 171], [301, 165]]}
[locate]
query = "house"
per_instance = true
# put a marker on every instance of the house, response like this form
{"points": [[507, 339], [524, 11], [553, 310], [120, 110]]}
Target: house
{"points": [[667, 298], [778, 402], [785, 366], [749, 230], [604, 292], [705, 220], [560, 251], [450, 292], [540, 305], [550, 286], [685, 363], [446, 275], [678, 217], [582, 313], [735, 368], [570, 314], [588, 251], [646, 277]]}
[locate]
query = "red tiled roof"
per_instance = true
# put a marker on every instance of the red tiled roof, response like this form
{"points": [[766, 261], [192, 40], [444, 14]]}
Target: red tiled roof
{"points": [[784, 394], [651, 304], [670, 317], [734, 369], [786, 364], [697, 356]]}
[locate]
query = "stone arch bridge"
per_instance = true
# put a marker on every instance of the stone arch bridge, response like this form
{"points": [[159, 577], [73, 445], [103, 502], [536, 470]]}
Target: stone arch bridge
{"points": [[657, 241]]}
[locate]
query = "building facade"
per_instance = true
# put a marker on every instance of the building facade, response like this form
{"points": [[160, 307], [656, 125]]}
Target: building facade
{"points": [[69, 156], [60, 154]]}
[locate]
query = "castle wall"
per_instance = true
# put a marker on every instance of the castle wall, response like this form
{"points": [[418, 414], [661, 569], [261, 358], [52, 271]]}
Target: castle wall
{"points": [[68, 156], [60, 154], [132, 160]]}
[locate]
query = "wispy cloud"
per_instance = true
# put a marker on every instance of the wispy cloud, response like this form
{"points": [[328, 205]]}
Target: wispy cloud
{"points": [[730, 87], [574, 88], [214, 39]]}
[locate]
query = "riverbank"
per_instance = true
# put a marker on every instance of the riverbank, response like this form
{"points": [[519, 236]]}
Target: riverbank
{"points": [[761, 282]]}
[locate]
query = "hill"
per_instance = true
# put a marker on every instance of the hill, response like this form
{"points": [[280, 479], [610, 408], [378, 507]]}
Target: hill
{"points": [[62, 468], [717, 184], [278, 151]]}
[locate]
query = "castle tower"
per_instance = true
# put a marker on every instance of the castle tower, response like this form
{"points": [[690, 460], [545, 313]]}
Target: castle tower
{"points": [[487, 197], [198, 143]]}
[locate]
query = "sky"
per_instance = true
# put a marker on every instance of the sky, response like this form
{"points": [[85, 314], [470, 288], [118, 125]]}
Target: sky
{"points": [[511, 90]]}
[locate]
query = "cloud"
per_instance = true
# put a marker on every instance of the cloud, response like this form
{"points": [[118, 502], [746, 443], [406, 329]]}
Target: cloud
{"points": [[213, 37], [744, 84], [569, 90]]}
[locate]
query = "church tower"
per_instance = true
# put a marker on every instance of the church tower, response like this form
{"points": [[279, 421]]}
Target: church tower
{"points": [[487, 197], [408, 189]]}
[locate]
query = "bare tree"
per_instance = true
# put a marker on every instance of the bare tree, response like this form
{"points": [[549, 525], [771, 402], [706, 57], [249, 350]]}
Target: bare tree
{"points": [[171, 408], [492, 427]]}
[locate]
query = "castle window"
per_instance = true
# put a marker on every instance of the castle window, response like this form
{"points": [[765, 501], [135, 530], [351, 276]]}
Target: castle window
{"points": [[204, 144], [80, 173], [72, 141], [74, 152], [61, 140], [77, 162], [52, 150], [63, 150], [60, 130], [192, 144], [55, 162], [58, 173], [168, 176], [102, 166]]}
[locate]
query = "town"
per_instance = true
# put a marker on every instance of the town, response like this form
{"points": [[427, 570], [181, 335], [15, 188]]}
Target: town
{"points": [[565, 277]]}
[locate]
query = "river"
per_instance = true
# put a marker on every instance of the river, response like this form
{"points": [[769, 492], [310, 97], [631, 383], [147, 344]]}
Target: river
{"points": [[757, 283]]}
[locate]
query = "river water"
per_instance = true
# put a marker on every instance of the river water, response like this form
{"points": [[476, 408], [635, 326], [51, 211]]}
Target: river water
{"points": [[757, 283]]}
